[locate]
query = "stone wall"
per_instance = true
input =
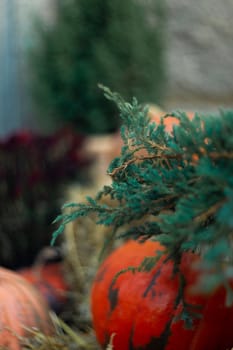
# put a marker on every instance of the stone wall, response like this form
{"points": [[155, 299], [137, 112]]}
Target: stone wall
{"points": [[199, 53]]}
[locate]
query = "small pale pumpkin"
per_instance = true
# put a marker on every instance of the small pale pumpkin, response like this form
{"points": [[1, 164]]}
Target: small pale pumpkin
{"points": [[21, 308]]}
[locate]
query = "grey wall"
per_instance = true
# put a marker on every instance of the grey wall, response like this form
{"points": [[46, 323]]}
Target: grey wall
{"points": [[200, 53]]}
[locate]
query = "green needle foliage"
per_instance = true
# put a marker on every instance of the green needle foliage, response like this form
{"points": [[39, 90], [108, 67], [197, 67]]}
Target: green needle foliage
{"points": [[119, 43], [179, 186]]}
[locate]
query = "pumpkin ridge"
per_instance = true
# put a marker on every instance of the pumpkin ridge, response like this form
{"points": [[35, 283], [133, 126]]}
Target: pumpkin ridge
{"points": [[158, 343], [40, 317], [161, 342], [9, 335], [14, 328], [113, 296], [152, 284], [31, 314]]}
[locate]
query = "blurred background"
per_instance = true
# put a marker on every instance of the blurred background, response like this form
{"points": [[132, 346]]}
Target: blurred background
{"points": [[192, 48], [173, 54]]}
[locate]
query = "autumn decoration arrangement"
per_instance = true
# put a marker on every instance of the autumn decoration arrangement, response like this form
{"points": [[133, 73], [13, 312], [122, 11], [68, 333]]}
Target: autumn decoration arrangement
{"points": [[169, 285], [164, 277]]}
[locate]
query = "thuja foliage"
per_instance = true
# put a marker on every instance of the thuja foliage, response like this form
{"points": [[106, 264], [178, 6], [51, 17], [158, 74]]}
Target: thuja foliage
{"points": [[174, 187], [119, 43]]}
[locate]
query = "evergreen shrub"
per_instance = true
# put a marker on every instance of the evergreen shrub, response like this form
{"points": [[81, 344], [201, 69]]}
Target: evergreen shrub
{"points": [[118, 43], [175, 187]]}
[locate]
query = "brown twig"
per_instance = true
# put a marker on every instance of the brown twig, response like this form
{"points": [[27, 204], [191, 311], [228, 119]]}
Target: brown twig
{"points": [[211, 211], [142, 158], [220, 155]]}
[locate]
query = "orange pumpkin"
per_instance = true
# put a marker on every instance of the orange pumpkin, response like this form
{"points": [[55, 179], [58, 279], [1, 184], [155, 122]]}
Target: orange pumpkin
{"points": [[156, 114], [139, 310], [50, 281], [215, 328], [21, 307]]}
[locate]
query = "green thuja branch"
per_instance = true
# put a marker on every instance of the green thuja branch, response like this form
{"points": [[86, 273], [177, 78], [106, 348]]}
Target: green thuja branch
{"points": [[176, 187]]}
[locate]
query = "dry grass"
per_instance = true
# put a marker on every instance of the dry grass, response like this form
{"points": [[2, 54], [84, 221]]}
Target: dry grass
{"points": [[83, 241], [65, 338]]}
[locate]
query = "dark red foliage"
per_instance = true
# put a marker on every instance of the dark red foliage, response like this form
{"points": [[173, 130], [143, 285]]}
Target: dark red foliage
{"points": [[33, 171]]}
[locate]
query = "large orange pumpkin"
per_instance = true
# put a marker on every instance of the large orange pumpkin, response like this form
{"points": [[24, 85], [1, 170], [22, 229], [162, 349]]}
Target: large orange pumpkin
{"points": [[139, 310], [21, 307]]}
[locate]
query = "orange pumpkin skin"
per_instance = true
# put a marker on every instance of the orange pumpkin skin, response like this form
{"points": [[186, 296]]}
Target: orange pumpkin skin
{"points": [[215, 329], [140, 309], [49, 280], [169, 121], [21, 306]]}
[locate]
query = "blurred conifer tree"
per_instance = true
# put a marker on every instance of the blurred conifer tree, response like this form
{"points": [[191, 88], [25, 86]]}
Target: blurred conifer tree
{"points": [[116, 43]]}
